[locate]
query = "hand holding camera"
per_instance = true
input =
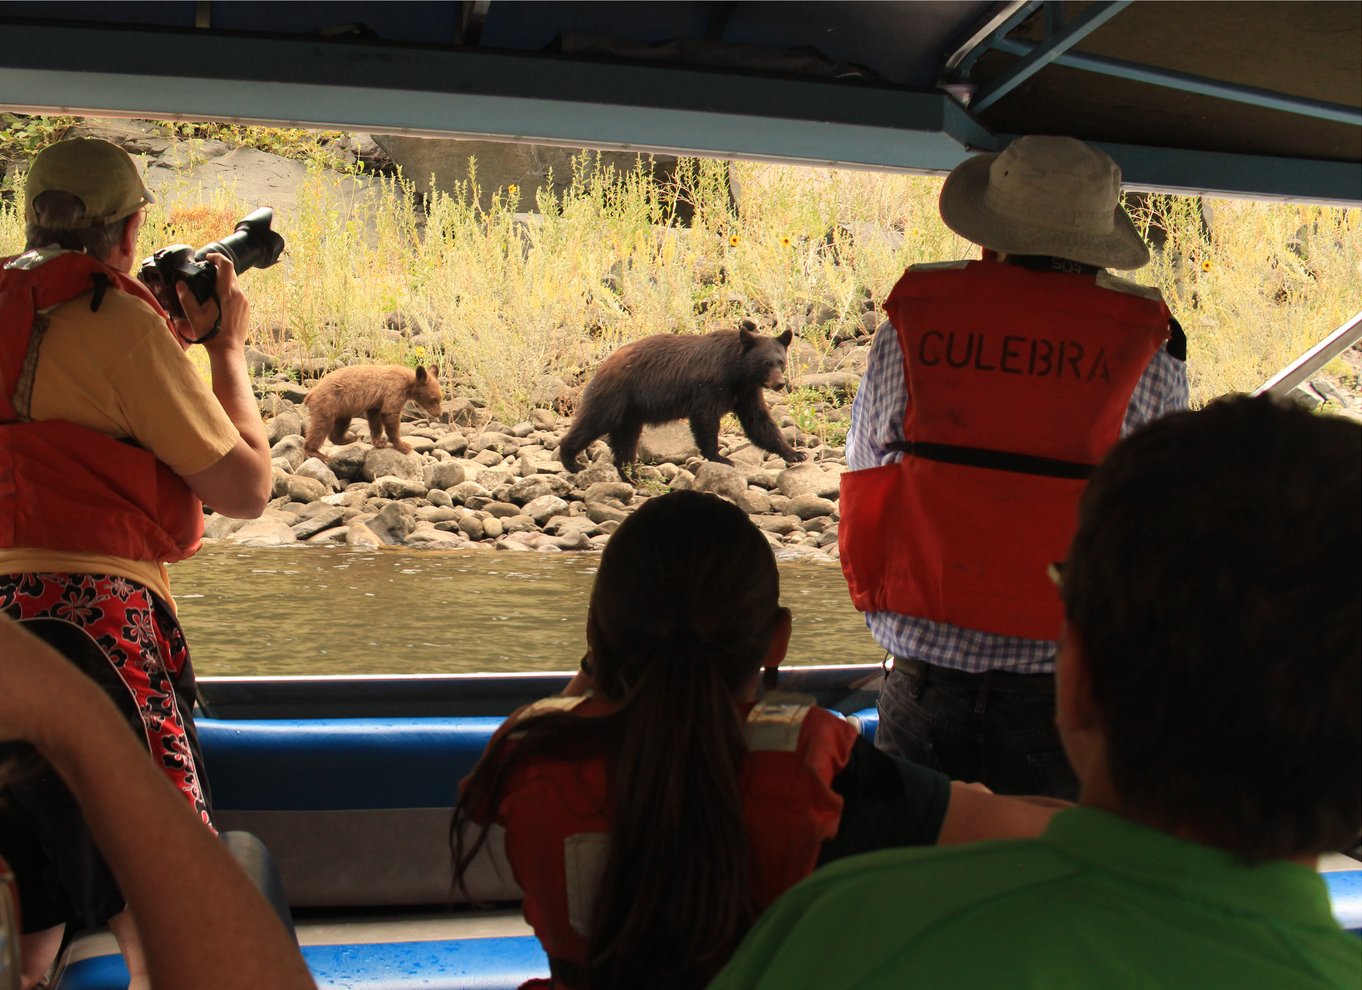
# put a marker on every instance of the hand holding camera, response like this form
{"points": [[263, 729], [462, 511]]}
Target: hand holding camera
{"points": [[186, 281]]}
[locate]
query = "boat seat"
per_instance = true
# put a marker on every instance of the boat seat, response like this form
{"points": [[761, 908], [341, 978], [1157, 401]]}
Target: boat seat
{"points": [[355, 811], [867, 720], [452, 964]]}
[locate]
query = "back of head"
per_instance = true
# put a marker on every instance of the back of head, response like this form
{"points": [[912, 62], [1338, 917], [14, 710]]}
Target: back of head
{"points": [[1215, 579], [685, 568], [79, 194]]}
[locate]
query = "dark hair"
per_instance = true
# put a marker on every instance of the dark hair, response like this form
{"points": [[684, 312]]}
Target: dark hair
{"points": [[57, 211], [682, 613], [1215, 581]]}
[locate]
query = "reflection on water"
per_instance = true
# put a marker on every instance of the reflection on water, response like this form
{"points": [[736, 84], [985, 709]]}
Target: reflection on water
{"points": [[323, 610]]}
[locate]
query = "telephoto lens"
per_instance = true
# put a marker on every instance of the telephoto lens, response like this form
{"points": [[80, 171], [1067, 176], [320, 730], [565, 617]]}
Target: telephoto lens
{"points": [[252, 245]]}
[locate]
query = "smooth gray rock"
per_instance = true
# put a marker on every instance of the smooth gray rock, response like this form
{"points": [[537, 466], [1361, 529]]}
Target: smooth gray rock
{"points": [[286, 423], [777, 524], [452, 443], [220, 527], [316, 469], [360, 535], [543, 507], [384, 462], [393, 523], [620, 490], [671, 442], [348, 461], [444, 474], [272, 532], [596, 472], [391, 486], [303, 489], [721, 480], [427, 536], [526, 490], [323, 517], [808, 505], [806, 479]]}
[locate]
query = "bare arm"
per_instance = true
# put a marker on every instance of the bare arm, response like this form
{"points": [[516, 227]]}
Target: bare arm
{"points": [[975, 814], [239, 483], [203, 924]]}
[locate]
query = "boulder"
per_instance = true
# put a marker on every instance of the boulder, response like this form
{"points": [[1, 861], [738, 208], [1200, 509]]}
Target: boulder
{"points": [[303, 489], [721, 480], [814, 479], [316, 518], [444, 474], [385, 462]]}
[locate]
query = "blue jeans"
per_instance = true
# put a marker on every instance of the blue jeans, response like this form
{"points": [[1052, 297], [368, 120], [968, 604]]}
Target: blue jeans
{"points": [[994, 727]]}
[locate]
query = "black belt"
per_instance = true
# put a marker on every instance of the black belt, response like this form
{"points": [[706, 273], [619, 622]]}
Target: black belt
{"points": [[995, 460], [1007, 679]]}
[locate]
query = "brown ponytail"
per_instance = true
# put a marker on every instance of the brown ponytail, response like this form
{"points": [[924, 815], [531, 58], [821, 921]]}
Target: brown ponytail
{"points": [[681, 616]]}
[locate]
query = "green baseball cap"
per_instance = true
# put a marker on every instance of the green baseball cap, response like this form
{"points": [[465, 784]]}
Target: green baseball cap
{"points": [[100, 174]]}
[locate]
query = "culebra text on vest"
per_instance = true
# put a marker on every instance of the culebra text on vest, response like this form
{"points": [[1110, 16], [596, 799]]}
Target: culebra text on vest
{"points": [[1012, 354]]}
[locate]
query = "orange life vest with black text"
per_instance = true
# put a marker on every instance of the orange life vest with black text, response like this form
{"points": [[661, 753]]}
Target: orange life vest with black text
{"points": [[63, 486], [1018, 382]]}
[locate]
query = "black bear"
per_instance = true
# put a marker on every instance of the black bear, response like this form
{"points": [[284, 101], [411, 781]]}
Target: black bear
{"points": [[672, 376]]}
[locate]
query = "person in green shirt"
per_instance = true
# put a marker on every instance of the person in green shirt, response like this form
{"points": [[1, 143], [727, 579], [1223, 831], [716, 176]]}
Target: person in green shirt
{"points": [[1209, 698]]}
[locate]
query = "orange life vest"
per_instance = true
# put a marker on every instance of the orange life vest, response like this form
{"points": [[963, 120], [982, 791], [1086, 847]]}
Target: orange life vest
{"points": [[63, 486], [558, 814], [1018, 381]]}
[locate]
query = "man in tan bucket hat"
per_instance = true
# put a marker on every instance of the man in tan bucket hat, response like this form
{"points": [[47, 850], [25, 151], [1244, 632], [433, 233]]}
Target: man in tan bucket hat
{"points": [[110, 443], [989, 395]]}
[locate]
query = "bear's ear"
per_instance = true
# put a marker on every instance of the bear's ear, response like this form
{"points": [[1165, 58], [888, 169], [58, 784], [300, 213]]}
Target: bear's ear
{"points": [[420, 374], [745, 334], [747, 325], [785, 338]]}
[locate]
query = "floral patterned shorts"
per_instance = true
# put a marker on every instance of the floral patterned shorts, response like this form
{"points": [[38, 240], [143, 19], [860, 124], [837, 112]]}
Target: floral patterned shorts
{"points": [[145, 662]]}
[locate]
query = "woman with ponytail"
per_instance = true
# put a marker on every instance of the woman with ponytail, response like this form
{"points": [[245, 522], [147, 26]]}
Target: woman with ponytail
{"points": [[654, 809]]}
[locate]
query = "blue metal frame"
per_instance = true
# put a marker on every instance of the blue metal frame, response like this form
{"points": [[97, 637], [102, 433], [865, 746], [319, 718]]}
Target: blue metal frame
{"points": [[201, 75], [489, 94], [1055, 45], [1192, 84]]}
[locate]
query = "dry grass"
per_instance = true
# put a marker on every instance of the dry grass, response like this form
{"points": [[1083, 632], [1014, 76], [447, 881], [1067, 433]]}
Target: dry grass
{"points": [[510, 303]]}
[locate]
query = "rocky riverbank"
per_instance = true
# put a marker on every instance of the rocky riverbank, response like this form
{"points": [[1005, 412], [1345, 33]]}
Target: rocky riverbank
{"points": [[472, 482]]}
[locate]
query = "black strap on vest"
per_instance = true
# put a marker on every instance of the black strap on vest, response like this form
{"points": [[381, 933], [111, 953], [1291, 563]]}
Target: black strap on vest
{"points": [[101, 284], [996, 460], [1177, 340]]}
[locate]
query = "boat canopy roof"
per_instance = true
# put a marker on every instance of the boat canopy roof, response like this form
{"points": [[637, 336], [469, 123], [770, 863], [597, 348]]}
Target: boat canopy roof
{"points": [[1260, 99]]}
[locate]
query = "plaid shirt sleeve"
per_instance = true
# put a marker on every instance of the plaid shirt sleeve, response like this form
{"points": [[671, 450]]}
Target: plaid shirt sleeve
{"points": [[1161, 390], [880, 404]]}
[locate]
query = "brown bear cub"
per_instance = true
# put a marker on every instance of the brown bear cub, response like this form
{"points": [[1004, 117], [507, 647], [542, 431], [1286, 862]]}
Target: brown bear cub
{"points": [[674, 376], [376, 392]]}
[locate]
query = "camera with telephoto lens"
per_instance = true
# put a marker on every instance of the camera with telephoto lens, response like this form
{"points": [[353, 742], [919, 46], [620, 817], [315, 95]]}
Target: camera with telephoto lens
{"points": [[251, 245]]}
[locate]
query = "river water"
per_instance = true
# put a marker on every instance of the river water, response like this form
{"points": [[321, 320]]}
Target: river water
{"points": [[332, 610]]}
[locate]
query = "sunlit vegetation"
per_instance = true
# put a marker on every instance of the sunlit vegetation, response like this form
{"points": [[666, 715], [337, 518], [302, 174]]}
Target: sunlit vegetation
{"points": [[518, 300]]}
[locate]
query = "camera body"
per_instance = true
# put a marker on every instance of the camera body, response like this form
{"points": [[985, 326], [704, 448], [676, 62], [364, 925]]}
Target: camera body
{"points": [[252, 245]]}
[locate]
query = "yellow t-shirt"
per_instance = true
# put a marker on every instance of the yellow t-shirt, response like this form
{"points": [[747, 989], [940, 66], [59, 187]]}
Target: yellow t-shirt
{"points": [[122, 373]]}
